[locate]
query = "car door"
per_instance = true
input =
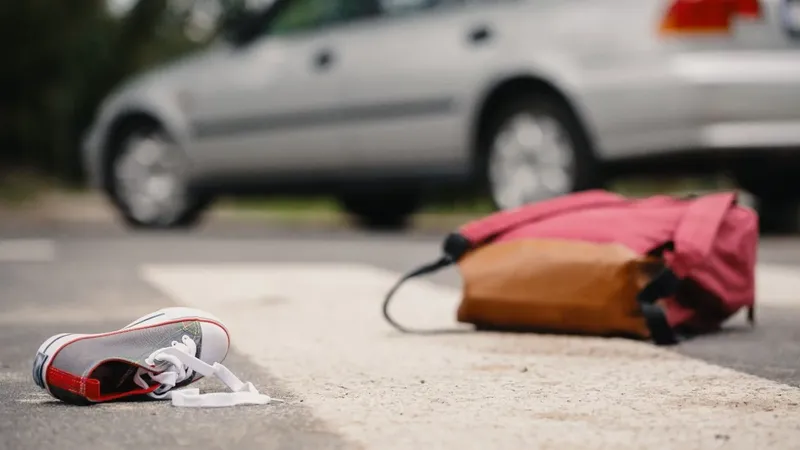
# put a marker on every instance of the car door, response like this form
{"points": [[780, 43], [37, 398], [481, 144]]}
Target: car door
{"points": [[406, 75], [263, 109]]}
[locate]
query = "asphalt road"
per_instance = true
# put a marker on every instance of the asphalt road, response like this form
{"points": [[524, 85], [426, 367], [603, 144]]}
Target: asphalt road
{"points": [[88, 278]]}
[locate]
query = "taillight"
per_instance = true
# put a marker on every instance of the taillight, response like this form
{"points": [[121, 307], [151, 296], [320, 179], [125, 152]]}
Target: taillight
{"points": [[750, 9], [707, 16]]}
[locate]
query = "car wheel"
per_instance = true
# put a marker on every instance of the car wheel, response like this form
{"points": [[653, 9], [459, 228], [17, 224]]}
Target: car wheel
{"points": [[148, 181], [386, 211], [534, 149]]}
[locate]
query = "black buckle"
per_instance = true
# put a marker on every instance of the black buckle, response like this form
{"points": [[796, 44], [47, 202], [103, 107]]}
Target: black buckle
{"points": [[665, 284]]}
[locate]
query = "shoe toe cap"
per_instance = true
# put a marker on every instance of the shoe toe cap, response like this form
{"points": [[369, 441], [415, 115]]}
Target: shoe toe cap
{"points": [[215, 344]]}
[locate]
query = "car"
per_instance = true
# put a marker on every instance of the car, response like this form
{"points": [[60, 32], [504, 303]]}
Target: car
{"points": [[384, 103]]}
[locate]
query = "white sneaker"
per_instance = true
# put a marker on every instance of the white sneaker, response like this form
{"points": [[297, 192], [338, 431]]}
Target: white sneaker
{"points": [[153, 355]]}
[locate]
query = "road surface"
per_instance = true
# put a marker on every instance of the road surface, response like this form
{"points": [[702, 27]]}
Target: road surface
{"points": [[303, 308]]}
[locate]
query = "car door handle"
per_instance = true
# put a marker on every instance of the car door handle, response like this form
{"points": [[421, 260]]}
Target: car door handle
{"points": [[480, 34], [323, 59]]}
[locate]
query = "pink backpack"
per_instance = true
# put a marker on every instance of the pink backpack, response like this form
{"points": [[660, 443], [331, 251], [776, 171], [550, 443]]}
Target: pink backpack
{"points": [[707, 241]]}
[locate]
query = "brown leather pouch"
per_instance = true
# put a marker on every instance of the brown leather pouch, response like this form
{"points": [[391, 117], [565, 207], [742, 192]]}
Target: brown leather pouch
{"points": [[555, 286]]}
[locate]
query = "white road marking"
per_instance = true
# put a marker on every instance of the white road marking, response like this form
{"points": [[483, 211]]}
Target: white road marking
{"points": [[777, 285], [27, 250], [318, 328]]}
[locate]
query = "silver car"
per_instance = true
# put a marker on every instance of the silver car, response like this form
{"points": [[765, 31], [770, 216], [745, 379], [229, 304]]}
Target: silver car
{"points": [[383, 102]]}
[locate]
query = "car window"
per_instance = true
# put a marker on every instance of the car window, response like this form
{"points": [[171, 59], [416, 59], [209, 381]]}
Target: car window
{"points": [[307, 15], [301, 15], [392, 7], [397, 7]]}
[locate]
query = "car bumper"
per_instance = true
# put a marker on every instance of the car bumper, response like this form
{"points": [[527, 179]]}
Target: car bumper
{"points": [[744, 100], [705, 101]]}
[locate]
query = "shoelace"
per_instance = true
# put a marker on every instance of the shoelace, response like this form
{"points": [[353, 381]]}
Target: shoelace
{"points": [[180, 364]]}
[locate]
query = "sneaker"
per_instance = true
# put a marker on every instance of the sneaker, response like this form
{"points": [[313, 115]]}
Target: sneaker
{"points": [[152, 356]]}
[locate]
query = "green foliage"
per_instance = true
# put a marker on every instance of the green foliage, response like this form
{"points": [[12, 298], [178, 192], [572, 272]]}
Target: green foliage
{"points": [[60, 60]]}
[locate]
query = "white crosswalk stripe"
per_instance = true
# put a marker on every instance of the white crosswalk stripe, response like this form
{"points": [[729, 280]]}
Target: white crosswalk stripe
{"points": [[318, 328], [26, 250], [778, 285]]}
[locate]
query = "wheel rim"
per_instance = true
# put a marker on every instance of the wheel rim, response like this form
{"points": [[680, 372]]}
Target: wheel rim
{"points": [[531, 159], [149, 180]]}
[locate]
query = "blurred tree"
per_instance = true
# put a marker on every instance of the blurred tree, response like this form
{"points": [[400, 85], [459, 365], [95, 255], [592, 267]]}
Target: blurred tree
{"points": [[38, 40], [62, 58]]}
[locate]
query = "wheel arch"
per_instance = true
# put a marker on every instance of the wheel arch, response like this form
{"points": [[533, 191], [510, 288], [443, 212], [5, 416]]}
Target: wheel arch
{"points": [[506, 87], [118, 128]]}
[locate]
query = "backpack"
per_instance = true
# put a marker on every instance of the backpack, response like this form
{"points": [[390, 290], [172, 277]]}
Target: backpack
{"points": [[661, 268]]}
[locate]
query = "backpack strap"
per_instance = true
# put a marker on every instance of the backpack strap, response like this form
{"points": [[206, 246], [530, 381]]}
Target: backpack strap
{"points": [[454, 247], [483, 230], [664, 284]]}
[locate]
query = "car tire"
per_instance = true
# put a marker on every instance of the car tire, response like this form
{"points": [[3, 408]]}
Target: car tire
{"points": [[143, 159], [380, 211], [777, 199], [534, 148]]}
